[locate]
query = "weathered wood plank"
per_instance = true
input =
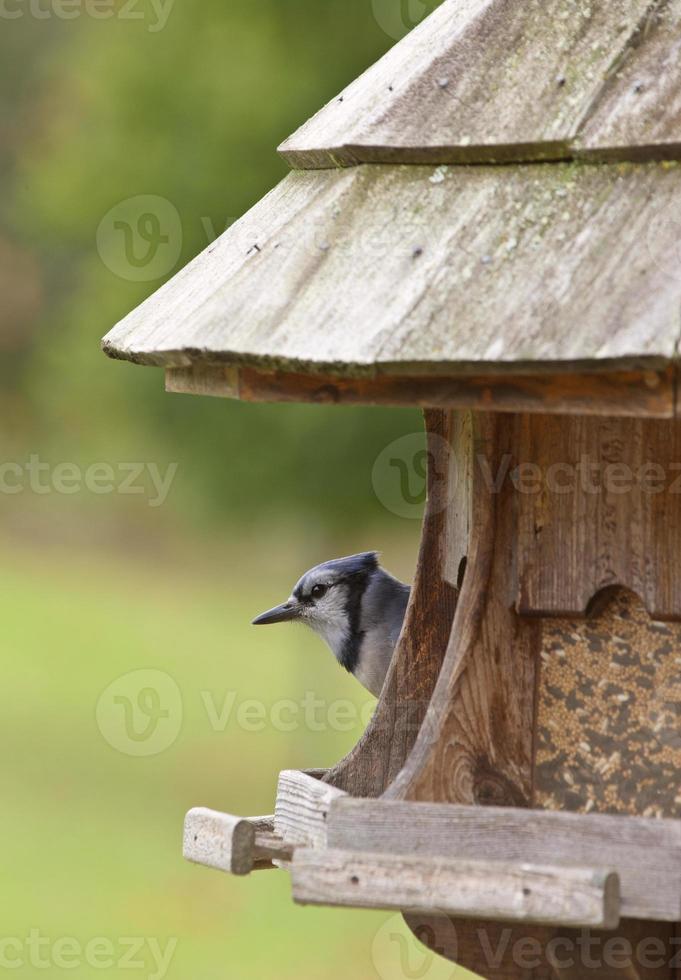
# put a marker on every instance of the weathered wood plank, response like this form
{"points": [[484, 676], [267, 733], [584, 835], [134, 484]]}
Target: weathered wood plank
{"points": [[605, 510], [645, 853], [478, 81], [623, 393], [572, 896], [302, 806], [484, 269], [638, 115]]}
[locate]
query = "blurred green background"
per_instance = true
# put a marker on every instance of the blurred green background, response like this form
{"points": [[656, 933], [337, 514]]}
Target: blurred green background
{"points": [[102, 101]]}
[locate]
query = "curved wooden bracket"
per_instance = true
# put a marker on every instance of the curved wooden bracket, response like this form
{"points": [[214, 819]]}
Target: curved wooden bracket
{"points": [[378, 757], [475, 745]]}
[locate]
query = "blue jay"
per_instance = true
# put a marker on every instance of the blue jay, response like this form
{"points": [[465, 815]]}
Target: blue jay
{"points": [[356, 607]]}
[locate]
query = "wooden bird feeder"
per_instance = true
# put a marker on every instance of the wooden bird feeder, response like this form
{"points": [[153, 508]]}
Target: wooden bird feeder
{"points": [[487, 224]]}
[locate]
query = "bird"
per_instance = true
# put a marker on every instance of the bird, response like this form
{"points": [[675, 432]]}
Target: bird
{"points": [[356, 607]]}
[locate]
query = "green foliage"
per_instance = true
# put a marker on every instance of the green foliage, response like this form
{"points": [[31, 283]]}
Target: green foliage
{"points": [[192, 113]]}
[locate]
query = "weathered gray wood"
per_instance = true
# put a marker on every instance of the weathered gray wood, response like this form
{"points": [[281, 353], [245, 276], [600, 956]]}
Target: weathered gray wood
{"points": [[410, 270], [645, 853], [574, 896], [302, 806], [639, 112], [219, 840], [237, 845], [492, 80]]}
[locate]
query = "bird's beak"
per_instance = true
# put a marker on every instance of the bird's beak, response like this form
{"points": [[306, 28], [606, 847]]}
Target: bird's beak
{"points": [[280, 614]]}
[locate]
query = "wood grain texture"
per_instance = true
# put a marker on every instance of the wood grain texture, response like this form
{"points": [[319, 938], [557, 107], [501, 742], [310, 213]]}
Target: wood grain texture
{"points": [[622, 393], [572, 896], [638, 114], [604, 509], [416, 663], [415, 271], [475, 745], [645, 853], [301, 809], [477, 741], [493, 80]]}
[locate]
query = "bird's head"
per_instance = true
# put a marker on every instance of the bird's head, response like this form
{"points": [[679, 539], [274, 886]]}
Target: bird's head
{"points": [[327, 597]]}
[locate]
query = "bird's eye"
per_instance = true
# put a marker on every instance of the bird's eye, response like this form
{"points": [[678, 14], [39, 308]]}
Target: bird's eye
{"points": [[318, 591]]}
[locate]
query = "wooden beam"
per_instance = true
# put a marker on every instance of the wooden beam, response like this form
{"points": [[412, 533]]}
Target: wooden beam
{"points": [[645, 853], [302, 807], [570, 896], [644, 393], [237, 845]]}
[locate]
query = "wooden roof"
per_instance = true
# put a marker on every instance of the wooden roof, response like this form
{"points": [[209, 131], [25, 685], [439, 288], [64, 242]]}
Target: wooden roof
{"points": [[415, 269], [438, 270], [498, 81]]}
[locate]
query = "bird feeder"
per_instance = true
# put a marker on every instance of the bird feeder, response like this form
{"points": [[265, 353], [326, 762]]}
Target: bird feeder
{"points": [[487, 224]]}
